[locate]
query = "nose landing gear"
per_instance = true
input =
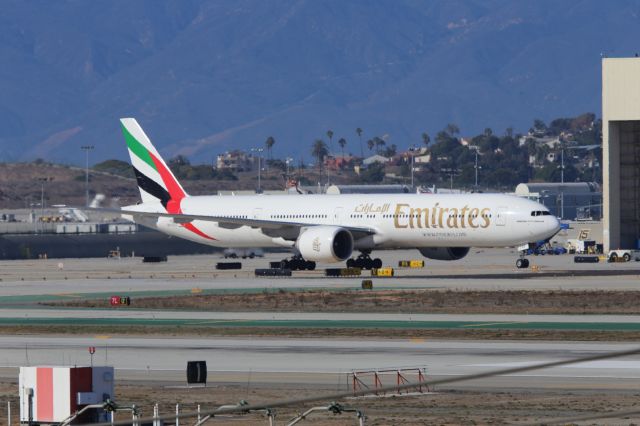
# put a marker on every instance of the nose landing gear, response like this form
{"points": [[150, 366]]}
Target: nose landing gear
{"points": [[364, 261], [522, 262]]}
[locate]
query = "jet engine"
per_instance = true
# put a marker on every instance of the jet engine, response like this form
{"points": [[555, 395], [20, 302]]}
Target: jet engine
{"points": [[325, 244], [444, 253]]}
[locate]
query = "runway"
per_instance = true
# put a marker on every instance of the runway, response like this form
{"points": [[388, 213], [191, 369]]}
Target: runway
{"points": [[323, 361]]}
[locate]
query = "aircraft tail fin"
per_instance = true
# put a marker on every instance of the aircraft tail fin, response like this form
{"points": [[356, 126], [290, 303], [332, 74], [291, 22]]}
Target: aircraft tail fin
{"points": [[155, 180]]}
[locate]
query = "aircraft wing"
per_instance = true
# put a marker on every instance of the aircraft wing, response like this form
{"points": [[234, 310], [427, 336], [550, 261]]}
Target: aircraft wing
{"points": [[231, 222]]}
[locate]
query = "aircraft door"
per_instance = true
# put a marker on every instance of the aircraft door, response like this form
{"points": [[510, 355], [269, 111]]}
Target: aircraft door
{"points": [[257, 213], [501, 216], [337, 215]]}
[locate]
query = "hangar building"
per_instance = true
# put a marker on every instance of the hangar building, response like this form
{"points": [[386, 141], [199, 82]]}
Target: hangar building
{"points": [[621, 152]]}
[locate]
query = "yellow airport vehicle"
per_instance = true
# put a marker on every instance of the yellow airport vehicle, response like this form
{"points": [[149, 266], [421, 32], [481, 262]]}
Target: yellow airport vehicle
{"points": [[411, 263], [382, 272]]}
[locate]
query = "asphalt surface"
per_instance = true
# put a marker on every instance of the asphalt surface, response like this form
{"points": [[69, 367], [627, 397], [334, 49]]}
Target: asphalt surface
{"points": [[314, 361], [490, 269]]}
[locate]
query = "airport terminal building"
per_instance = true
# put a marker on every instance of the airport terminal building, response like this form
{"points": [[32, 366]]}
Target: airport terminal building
{"points": [[621, 152]]}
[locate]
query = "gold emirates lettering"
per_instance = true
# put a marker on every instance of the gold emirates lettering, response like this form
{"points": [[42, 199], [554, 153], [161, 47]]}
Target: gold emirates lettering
{"points": [[406, 216]]}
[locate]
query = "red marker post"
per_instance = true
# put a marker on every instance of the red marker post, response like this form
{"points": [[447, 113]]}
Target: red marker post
{"points": [[92, 350]]}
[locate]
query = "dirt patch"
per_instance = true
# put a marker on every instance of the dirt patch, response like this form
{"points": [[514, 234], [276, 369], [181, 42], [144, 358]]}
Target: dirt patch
{"points": [[395, 333], [396, 301]]}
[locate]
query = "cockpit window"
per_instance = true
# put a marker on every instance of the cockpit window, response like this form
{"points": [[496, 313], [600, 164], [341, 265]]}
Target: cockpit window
{"points": [[540, 213]]}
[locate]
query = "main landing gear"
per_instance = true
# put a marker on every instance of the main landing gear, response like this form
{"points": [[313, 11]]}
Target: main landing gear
{"points": [[364, 261], [297, 263]]}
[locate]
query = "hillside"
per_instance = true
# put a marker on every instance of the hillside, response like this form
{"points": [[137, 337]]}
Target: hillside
{"points": [[203, 77]]}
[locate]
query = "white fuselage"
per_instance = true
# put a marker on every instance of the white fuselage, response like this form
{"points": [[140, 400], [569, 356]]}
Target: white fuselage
{"points": [[399, 220]]}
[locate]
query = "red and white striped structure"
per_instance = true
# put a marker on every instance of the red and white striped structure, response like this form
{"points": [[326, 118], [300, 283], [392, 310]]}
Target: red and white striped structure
{"points": [[56, 389]]}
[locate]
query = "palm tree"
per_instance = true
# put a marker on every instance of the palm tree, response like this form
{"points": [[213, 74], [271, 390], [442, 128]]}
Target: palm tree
{"points": [[426, 140], [342, 142], [359, 132], [379, 142], [269, 144], [319, 150], [330, 135], [371, 144]]}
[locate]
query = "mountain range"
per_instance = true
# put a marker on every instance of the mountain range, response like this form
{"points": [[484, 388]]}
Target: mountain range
{"points": [[203, 77]]}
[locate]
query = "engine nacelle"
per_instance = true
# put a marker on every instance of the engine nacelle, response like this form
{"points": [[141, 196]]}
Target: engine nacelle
{"points": [[444, 253], [325, 244]]}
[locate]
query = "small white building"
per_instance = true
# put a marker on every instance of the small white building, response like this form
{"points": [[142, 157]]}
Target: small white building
{"points": [[375, 159]]}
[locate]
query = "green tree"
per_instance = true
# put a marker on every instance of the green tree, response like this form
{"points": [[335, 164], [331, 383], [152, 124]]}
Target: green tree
{"points": [[372, 174], [426, 140], [539, 126], [359, 133], [452, 129], [509, 132], [319, 150]]}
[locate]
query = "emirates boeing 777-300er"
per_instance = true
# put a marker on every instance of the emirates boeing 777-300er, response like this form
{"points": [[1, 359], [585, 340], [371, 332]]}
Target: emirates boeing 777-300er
{"points": [[330, 228]]}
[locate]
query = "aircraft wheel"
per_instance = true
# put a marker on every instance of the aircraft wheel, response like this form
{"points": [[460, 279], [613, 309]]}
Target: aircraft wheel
{"points": [[310, 265], [526, 263], [520, 263], [376, 263], [285, 264]]}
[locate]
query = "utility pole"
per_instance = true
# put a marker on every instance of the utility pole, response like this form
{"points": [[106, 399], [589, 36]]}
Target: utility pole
{"points": [[86, 149]]}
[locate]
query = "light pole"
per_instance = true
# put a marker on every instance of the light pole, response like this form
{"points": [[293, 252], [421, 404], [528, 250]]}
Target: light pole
{"points": [[86, 149], [475, 148], [561, 181], [259, 151], [42, 181], [287, 161], [412, 150]]}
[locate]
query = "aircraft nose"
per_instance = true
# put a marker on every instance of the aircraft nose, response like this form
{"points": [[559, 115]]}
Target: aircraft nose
{"points": [[554, 225]]}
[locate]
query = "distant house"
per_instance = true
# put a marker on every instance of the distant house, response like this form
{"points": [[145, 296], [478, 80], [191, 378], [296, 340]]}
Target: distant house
{"points": [[338, 162], [550, 141], [234, 160], [374, 159]]}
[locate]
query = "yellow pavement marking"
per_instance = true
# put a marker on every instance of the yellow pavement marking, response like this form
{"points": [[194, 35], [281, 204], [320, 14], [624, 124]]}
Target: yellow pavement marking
{"points": [[102, 336], [417, 340]]}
